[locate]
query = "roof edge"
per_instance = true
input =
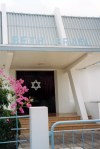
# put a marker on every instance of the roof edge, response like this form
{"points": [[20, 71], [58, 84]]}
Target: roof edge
{"points": [[48, 48]]}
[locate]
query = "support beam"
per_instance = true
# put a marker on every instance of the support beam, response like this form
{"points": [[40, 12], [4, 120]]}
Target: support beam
{"points": [[4, 25], [75, 62], [79, 102], [60, 26]]}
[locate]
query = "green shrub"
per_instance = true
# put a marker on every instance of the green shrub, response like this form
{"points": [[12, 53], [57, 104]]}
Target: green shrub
{"points": [[5, 130]]}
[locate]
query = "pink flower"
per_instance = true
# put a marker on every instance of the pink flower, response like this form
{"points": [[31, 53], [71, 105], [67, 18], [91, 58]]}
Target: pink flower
{"points": [[28, 105], [21, 110], [11, 80], [25, 98], [20, 102], [18, 91], [1, 72], [19, 99], [21, 81], [13, 105]]}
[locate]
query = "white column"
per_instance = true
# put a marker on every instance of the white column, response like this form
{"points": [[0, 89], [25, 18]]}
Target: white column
{"points": [[61, 92], [39, 133], [60, 26], [4, 25], [79, 102], [56, 91]]}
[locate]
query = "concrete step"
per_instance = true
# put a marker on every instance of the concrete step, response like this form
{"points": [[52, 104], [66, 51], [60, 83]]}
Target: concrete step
{"points": [[53, 119], [77, 126]]}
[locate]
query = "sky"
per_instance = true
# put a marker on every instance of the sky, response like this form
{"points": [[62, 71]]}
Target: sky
{"points": [[67, 7]]}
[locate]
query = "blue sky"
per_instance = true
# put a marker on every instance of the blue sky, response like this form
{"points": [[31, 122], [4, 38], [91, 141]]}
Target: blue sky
{"points": [[67, 7]]}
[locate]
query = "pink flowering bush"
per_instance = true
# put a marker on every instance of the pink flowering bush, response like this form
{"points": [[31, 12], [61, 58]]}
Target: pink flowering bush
{"points": [[12, 93], [12, 98]]}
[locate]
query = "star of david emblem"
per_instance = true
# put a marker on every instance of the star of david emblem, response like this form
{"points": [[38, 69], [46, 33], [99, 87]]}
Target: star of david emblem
{"points": [[36, 85]]}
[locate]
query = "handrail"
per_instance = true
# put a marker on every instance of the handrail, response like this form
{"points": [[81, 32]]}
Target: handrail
{"points": [[11, 117], [68, 122], [73, 122]]}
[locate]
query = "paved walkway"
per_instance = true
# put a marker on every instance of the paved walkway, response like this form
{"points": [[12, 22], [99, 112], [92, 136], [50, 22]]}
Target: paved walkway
{"points": [[77, 140]]}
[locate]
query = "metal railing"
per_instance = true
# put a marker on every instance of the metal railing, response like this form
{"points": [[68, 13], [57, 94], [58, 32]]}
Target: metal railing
{"points": [[75, 138], [18, 140]]}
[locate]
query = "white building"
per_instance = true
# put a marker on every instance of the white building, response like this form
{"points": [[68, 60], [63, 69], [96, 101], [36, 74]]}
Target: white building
{"points": [[58, 49]]}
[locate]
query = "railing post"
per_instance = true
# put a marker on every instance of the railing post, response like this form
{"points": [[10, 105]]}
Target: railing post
{"points": [[39, 133], [52, 140]]}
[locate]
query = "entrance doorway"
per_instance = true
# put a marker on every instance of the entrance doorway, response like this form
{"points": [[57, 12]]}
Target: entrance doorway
{"points": [[41, 88]]}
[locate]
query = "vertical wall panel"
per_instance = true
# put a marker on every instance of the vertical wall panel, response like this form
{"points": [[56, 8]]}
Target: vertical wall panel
{"points": [[31, 29], [82, 31], [37, 29]]}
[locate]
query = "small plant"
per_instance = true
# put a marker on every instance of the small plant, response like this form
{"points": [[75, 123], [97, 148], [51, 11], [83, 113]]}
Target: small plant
{"points": [[7, 134]]}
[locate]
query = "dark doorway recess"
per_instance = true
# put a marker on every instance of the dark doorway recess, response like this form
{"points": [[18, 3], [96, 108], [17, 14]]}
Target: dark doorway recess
{"points": [[43, 96]]}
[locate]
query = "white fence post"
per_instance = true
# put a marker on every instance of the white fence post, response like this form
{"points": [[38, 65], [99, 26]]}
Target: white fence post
{"points": [[39, 133]]}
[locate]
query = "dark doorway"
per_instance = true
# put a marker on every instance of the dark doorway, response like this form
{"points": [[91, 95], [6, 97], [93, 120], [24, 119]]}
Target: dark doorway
{"points": [[41, 88]]}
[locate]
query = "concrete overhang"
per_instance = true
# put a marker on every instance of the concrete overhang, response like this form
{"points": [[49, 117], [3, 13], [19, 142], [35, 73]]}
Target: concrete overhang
{"points": [[49, 48], [43, 60]]}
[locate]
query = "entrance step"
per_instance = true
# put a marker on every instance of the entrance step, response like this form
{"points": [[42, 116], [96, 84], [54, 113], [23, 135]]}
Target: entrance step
{"points": [[53, 119], [61, 117], [76, 126]]}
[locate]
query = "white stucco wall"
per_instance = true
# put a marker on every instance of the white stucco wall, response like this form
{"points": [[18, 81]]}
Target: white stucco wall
{"points": [[89, 80], [64, 97], [94, 83], [93, 109], [90, 83]]}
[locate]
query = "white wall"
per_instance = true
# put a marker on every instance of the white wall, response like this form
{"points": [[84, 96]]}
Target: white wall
{"points": [[94, 83], [93, 109], [90, 83], [64, 97], [89, 80], [84, 83]]}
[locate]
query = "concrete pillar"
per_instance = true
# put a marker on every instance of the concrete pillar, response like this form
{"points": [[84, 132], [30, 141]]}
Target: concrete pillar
{"points": [[60, 26], [56, 91], [61, 92], [79, 102], [4, 25], [39, 133]]}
